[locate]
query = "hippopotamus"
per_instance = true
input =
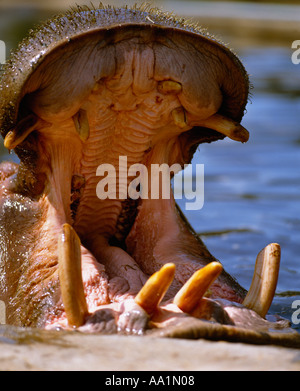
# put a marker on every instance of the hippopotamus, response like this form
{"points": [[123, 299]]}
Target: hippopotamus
{"points": [[82, 90]]}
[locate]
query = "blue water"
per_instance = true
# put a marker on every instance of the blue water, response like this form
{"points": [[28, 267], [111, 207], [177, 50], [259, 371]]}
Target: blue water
{"points": [[252, 190]]}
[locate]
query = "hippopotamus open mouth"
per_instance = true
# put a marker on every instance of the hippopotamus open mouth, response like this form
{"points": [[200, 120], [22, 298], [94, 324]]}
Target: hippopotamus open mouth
{"points": [[85, 89]]}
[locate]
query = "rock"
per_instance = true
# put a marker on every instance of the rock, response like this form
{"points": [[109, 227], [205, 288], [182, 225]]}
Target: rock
{"points": [[30, 350]]}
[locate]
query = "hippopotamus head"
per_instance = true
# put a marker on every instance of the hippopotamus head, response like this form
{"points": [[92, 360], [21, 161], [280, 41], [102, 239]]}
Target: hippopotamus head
{"points": [[82, 249]]}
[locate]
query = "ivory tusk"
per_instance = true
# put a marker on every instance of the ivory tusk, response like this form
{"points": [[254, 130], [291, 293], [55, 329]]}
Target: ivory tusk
{"points": [[226, 126], [26, 126], [264, 282], [71, 285]]}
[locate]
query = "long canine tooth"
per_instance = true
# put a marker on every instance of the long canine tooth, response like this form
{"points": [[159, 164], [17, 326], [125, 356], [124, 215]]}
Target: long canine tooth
{"points": [[81, 123], [155, 288], [264, 282], [69, 269], [22, 130], [179, 117], [169, 87], [226, 126], [194, 289]]}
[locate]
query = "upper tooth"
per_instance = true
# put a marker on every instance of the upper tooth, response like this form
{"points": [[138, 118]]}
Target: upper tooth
{"points": [[169, 87], [226, 126], [263, 286], [81, 123], [69, 269], [97, 87], [22, 130], [194, 289], [179, 117]]}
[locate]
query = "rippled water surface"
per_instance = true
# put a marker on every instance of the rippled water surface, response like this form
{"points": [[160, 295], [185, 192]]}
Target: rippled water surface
{"points": [[252, 190]]}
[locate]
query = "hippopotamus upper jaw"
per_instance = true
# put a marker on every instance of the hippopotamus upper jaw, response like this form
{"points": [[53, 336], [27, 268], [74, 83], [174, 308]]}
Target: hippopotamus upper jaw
{"points": [[94, 90]]}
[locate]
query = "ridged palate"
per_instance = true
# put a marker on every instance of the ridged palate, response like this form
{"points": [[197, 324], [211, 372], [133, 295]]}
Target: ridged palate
{"points": [[115, 133]]}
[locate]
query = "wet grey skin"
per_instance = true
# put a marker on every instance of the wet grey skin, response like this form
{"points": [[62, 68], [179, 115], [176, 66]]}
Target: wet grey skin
{"points": [[82, 90]]}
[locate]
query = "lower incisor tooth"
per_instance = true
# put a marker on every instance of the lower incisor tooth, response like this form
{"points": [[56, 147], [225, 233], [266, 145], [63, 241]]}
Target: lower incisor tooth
{"points": [[155, 288], [264, 282], [194, 289], [69, 269]]}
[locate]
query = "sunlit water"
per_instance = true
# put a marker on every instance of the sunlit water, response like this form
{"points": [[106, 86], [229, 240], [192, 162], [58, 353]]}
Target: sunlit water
{"points": [[252, 190]]}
